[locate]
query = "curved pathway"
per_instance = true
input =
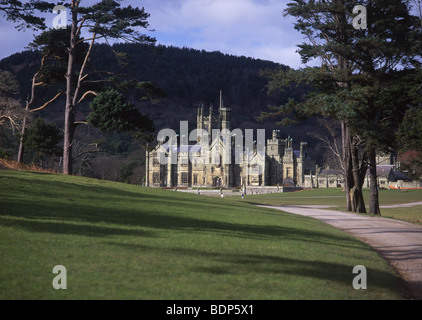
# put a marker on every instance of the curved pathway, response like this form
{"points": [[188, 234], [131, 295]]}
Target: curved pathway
{"points": [[398, 241]]}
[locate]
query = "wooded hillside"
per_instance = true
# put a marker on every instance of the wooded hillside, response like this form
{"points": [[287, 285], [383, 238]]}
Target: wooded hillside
{"points": [[189, 78]]}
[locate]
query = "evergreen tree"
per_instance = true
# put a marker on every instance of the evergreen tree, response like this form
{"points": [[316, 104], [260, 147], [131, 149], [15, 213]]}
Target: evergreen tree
{"points": [[105, 20], [23, 12], [52, 44], [112, 113], [43, 138], [359, 83]]}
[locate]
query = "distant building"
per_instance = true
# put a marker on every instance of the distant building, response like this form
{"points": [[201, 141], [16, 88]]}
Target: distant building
{"points": [[277, 165], [388, 176]]}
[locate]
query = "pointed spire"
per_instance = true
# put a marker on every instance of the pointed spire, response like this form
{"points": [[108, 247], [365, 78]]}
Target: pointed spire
{"points": [[221, 99]]}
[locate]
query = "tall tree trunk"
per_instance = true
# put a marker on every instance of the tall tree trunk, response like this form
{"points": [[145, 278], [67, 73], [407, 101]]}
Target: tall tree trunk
{"points": [[348, 178], [342, 66], [373, 184], [21, 146], [356, 195], [69, 126]]}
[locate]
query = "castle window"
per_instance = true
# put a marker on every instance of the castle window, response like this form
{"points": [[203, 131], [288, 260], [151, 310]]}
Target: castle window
{"points": [[195, 179], [155, 162], [184, 177], [155, 177], [185, 162]]}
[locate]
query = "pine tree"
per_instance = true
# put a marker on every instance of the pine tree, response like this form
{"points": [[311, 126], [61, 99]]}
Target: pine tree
{"points": [[360, 82], [105, 20]]}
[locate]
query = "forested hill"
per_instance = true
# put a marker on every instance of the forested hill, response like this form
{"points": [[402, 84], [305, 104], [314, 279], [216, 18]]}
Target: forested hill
{"points": [[188, 77], [191, 77]]}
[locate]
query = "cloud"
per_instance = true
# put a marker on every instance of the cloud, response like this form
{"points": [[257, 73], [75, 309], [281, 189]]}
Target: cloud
{"points": [[240, 27], [252, 28]]}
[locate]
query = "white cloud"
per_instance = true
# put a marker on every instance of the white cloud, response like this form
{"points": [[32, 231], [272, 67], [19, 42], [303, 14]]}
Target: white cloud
{"points": [[252, 28], [240, 27]]}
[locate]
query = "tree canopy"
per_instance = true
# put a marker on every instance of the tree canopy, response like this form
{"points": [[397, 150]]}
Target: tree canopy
{"points": [[367, 78], [23, 13], [111, 112]]}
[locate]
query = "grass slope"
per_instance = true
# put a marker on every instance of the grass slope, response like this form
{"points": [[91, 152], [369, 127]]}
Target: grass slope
{"points": [[121, 241], [336, 198]]}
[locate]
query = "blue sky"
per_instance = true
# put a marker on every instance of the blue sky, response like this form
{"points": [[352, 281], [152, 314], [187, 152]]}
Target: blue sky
{"points": [[251, 28]]}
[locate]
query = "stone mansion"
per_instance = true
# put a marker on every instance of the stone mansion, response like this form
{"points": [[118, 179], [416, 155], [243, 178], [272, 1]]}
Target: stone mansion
{"points": [[274, 164]]}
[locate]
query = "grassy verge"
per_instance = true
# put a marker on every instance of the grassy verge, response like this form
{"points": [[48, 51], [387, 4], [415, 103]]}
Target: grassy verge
{"points": [[335, 198], [121, 241], [411, 214]]}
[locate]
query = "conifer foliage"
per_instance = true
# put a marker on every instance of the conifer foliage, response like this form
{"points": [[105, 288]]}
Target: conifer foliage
{"points": [[368, 79]]}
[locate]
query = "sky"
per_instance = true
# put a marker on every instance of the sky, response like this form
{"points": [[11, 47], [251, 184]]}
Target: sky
{"points": [[251, 28]]}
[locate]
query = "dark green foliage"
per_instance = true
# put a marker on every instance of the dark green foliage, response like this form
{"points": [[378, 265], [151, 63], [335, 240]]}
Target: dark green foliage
{"points": [[53, 45], [109, 20], [410, 132], [43, 138], [127, 170], [111, 112], [116, 143], [368, 92], [173, 70], [22, 12], [360, 83], [196, 76], [9, 85]]}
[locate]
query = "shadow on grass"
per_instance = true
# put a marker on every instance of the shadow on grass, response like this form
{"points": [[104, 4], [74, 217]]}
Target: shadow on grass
{"points": [[216, 264], [71, 228], [67, 207], [34, 216]]}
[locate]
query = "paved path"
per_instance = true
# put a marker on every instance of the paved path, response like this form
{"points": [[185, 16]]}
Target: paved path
{"points": [[398, 241]]}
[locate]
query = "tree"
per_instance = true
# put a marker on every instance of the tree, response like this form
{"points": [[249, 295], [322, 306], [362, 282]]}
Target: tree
{"points": [[359, 82], [104, 20], [52, 44], [112, 113], [330, 137], [10, 107], [43, 138], [23, 13]]}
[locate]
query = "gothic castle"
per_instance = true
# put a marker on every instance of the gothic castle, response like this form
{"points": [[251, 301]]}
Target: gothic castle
{"points": [[275, 164]]}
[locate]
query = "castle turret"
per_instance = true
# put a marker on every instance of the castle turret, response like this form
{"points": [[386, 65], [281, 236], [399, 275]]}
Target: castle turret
{"points": [[300, 164], [275, 149], [289, 172], [225, 115]]}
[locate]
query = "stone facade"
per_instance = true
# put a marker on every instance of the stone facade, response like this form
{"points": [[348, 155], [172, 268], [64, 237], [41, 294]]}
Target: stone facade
{"points": [[276, 164]]}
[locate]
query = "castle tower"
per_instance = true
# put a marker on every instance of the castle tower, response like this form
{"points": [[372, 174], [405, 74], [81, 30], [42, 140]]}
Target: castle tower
{"points": [[206, 123], [275, 149], [226, 152], [289, 172], [225, 115], [300, 164]]}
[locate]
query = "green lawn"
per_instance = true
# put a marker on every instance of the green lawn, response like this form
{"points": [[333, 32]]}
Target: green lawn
{"points": [[336, 199], [120, 241]]}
